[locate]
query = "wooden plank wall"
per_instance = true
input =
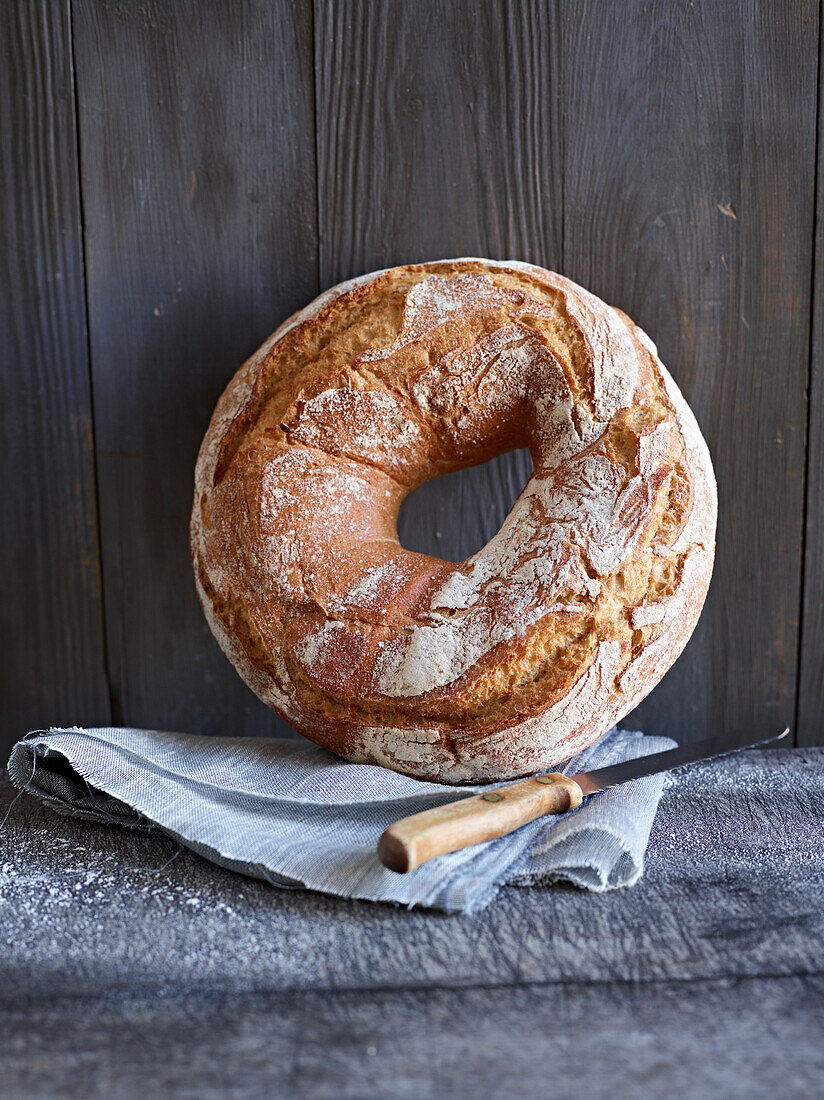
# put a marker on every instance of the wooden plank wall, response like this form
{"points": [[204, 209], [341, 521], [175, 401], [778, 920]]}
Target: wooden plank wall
{"points": [[810, 729], [51, 612], [179, 176], [198, 174], [420, 159], [682, 208]]}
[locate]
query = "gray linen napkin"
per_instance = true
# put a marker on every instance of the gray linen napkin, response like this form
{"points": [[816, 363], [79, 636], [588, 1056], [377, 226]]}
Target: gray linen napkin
{"points": [[297, 816]]}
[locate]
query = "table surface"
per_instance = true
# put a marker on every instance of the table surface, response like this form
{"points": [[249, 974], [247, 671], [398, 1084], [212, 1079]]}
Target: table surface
{"points": [[132, 967]]}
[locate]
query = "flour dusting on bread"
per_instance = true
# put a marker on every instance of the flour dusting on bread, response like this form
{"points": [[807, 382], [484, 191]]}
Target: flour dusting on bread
{"points": [[512, 660]]}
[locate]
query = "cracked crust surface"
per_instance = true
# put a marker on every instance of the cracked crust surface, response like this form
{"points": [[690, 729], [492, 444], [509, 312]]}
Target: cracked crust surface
{"points": [[525, 653]]}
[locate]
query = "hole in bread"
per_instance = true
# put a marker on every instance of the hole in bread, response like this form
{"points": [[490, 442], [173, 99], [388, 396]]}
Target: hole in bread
{"points": [[455, 515]]}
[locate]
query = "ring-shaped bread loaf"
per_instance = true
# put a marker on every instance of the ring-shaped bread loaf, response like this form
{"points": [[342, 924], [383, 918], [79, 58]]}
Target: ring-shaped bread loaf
{"points": [[528, 651]]}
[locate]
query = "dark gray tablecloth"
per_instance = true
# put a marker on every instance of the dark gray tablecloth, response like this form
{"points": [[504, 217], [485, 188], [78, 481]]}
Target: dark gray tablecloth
{"points": [[132, 968]]}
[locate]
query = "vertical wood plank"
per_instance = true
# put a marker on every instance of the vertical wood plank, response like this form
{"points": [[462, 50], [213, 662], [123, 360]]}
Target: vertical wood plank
{"points": [[457, 514], [198, 172], [53, 667], [811, 678], [689, 153], [438, 137]]}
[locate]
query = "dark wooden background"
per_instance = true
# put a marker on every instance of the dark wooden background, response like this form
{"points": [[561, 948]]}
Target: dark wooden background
{"points": [[179, 176]]}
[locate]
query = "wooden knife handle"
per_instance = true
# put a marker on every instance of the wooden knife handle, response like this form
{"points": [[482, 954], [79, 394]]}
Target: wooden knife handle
{"points": [[414, 840]]}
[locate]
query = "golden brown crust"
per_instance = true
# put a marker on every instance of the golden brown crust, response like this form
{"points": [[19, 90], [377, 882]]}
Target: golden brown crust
{"points": [[520, 656]]}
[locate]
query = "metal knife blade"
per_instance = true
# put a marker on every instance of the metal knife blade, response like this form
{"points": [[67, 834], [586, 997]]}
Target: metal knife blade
{"points": [[414, 840], [681, 757]]}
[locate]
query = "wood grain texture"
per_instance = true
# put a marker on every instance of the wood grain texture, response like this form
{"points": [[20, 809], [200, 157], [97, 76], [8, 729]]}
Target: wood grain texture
{"points": [[457, 514], [757, 1040], [688, 202], [51, 621], [198, 170], [238, 156], [811, 678], [437, 133], [413, 840], [704, 979], [731, 889], [438, 137]]}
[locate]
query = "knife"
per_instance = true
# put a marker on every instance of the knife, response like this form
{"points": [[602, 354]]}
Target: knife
{"points": [[415, 840]]}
